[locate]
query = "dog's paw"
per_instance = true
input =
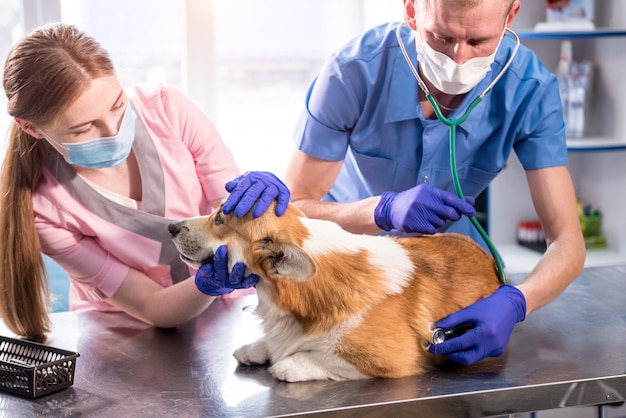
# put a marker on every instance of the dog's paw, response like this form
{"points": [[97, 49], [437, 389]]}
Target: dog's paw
{"points": [[288, 371], [252, 354], [298, 368]]}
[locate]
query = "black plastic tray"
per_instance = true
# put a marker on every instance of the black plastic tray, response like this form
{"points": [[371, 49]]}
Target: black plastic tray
{"points": [[33, 370]]}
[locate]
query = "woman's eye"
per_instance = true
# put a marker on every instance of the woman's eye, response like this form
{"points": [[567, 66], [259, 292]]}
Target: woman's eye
{"points": [[82, 131], [218, 219]]}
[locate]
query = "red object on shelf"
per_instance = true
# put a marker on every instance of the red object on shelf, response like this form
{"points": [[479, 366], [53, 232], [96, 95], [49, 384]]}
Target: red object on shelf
{"points": [[530, 234], [530, 231], [556, 4]]}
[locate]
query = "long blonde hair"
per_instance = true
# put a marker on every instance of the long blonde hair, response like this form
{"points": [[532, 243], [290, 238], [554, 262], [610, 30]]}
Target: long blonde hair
{"points": [[43, 74]]}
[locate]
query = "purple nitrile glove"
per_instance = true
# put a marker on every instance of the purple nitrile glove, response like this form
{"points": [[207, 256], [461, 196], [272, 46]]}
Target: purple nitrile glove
{"points": [[256, 189], [494, 318], [213, 279], [423, 208]]}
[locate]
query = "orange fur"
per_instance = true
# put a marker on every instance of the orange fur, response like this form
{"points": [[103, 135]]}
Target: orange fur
{"points": [[452, 272]]}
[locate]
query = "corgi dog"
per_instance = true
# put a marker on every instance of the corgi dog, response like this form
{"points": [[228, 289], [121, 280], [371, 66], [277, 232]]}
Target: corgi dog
{"points": [[336, 305]]}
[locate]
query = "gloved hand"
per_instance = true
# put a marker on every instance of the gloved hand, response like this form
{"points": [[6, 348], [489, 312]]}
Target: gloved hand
{"points": [[256, 187], [213, 279], [494, 318], [423, 208]]}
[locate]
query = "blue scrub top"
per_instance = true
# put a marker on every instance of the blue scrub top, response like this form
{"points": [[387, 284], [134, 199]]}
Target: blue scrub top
{"points": [[363, 108]]}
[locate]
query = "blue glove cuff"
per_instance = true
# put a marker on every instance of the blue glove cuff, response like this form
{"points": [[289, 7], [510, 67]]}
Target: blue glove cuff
{"points": [[517, 298], [381, 212]]}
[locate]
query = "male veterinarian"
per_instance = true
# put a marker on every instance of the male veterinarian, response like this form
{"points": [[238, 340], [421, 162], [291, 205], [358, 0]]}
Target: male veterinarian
{"points": [[372, 155]]}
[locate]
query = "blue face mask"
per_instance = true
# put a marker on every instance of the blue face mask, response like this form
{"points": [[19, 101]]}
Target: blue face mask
{"points": [[104, 152]]}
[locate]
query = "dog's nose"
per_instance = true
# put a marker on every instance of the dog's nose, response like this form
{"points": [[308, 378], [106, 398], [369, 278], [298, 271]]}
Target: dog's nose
{"points": [[174, 228]]}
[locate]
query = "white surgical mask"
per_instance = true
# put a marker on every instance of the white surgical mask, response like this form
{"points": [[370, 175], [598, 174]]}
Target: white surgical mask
{"points": [[446, 75]]}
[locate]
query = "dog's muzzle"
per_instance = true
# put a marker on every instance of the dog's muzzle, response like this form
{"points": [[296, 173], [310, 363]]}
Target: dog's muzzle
{"points": [[174, 228], [188, 249]]}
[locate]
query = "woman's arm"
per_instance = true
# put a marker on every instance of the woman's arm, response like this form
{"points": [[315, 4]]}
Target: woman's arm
{"points": [[164, 307]]}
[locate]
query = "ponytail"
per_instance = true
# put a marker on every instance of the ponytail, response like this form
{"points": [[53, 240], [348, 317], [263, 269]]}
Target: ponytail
{"points": [[24, 292]]}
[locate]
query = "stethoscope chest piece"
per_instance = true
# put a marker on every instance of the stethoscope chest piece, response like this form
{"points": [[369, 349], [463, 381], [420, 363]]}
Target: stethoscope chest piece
{"points": [[439, 336]]}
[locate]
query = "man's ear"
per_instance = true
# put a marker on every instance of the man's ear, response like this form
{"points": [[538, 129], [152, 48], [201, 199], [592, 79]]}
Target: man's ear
{"points": [[409, 13], [28, 128], [282, 260], [511, 16]]}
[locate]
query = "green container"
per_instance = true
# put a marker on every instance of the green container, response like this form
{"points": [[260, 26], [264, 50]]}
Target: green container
{"points": [[591, 225], [596, 241]]}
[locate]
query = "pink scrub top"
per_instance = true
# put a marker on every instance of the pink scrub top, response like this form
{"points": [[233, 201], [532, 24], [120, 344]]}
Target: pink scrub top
{"points": [[184, 165]]}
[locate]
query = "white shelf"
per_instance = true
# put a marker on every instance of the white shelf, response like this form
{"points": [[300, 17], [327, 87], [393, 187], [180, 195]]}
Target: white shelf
{"points": [[589, 144], [571, 33], [518, 259]]}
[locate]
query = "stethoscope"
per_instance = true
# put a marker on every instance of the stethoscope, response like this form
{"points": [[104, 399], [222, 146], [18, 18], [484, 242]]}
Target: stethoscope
{"points": [[452, 124]]}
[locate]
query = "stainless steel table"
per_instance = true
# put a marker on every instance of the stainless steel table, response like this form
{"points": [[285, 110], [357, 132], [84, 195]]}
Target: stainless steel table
{"points": [[570, 353]]}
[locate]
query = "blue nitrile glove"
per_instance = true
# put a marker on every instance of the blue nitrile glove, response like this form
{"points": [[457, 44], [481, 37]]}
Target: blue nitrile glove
{"points": [[493, 317], [258, 189], [423, 208], [213, 279]]}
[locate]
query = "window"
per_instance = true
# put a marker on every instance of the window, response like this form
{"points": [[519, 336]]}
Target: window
{"points": [[144, 37], [266, 55]]}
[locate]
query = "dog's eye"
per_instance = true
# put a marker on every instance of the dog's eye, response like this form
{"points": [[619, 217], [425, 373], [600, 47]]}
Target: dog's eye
{"points": [[218, 218]]}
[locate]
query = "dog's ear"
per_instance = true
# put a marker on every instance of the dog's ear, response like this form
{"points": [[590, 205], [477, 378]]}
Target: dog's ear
{"points": [[282, 260]]}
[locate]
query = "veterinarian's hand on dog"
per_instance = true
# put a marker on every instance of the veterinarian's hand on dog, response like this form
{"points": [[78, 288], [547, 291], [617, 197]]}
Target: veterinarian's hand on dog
{"points": [[423, 208], [213, 279], [256, 189], [494, 318]]}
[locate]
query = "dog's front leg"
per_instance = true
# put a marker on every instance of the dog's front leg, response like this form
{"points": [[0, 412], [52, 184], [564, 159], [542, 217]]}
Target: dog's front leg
{"points": [[252, 354], [314, 365]]}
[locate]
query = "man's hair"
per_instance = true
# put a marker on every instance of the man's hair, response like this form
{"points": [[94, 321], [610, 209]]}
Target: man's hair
{"points": [[507, 4]]}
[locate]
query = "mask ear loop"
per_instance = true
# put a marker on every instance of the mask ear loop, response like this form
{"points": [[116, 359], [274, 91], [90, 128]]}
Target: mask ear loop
{"points": [[54, 144]]}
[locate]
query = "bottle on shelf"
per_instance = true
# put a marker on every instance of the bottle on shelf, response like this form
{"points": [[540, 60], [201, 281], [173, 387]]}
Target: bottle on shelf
{"points": [[579, 91], [574, 83], [563, 77]]}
